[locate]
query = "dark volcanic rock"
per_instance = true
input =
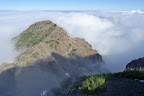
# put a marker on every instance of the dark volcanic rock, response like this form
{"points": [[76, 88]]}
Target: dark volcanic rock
{"points": [[136, 65], [119, 86]]}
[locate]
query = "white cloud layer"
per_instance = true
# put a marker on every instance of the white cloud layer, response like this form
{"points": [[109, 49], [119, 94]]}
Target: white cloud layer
{"points": [[118, 36]]}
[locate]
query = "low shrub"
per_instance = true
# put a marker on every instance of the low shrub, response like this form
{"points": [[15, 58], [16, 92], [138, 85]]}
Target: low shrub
{"points": [[127, 74], [133, 74], [93, 85]]}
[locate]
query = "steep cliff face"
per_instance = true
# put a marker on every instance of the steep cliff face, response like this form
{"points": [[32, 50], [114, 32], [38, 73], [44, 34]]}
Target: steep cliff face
{"points": [[136, 65], [51, 55]]}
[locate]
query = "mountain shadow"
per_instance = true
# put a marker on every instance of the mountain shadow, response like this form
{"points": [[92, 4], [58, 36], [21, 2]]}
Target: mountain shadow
{"points": [[46, 74]]}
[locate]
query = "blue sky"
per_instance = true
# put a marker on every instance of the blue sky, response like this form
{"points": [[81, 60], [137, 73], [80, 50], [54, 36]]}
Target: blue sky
{"points": [[72, 4]]}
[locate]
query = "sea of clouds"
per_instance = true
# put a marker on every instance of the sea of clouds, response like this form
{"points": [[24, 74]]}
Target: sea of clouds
{"points": [[117, 35]]}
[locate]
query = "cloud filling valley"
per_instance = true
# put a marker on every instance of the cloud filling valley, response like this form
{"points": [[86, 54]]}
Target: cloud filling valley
{"points": [[117, 35]]}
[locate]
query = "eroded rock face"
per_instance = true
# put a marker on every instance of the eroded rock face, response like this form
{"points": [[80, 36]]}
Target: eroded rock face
{"points": [[136, 65], [50, 57]]}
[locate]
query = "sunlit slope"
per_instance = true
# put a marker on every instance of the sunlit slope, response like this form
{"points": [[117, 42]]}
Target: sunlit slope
{"points": [[44, 38]]}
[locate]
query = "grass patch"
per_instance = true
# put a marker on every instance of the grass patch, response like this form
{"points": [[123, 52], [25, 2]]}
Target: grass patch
{"points": [[28, 39], [73, 50], [48, 23], [35, 55], [127, 74], [132, 74], [52, 43]]}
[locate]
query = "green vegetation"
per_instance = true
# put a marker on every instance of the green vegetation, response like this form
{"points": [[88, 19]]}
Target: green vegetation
{"points": [[90, 85], [49, 41], [48, 23], [39, 28], [70, 45], [53, 43], [127, 74], [35, 55], [93, 85], [28, 39], [131, 74], [73, 50]]}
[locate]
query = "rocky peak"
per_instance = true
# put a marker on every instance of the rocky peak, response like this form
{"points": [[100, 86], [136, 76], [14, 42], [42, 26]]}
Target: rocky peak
{"points": [[51, 55], [44, 38], [137, 64]]}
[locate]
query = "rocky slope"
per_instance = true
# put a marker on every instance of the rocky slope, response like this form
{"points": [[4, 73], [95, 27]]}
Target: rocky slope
{"points": [[136, 65], [118, 86], [130, 82], [44, 38], [51, 55]]}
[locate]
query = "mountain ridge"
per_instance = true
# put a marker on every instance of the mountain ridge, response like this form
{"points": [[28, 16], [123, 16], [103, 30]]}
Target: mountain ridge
{"points": [[52, 39]]}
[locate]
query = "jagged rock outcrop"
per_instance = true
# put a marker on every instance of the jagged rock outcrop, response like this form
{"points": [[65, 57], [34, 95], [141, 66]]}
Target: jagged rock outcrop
{"points": [[51, 55], [136, 65]]}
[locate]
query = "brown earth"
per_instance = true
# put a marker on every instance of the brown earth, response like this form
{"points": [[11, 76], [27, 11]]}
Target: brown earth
{"points": [[44, 38]]}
